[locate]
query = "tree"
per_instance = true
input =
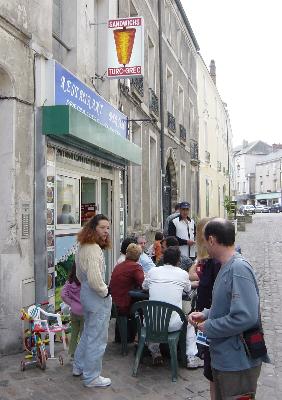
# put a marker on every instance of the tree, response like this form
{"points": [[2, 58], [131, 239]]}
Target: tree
{"points": [[229, 206]]}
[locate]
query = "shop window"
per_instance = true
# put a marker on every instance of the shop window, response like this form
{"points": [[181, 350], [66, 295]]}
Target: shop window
{"points": [[68, 204], [88, 199]]}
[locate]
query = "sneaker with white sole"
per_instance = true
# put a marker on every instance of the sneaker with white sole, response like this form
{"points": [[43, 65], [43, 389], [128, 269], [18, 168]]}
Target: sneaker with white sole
{"points": [[76, 371], [100, 381], [194, 362]]}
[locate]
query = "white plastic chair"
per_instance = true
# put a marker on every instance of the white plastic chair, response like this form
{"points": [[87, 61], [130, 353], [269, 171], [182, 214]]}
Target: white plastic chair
{"points": [[35, 313]]}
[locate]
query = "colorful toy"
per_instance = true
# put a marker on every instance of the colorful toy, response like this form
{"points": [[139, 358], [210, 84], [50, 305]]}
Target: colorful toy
{"points": [[40, 332]]}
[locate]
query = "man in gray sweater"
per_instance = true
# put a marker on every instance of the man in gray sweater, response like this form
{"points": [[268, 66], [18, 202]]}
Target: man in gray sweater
{"points": [[234, 309]]}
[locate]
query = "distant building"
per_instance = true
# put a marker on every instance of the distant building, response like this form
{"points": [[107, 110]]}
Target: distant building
{"points": [[269, 178], [245, 158], [215, 138]]}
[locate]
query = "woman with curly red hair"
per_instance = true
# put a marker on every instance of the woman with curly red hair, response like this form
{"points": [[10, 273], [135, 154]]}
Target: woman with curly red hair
{"points": [[95, 299]]}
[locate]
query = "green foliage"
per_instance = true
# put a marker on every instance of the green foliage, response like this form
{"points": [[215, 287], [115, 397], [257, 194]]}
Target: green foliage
{"points": [[63, 269], [58, 299], [228, 205]]}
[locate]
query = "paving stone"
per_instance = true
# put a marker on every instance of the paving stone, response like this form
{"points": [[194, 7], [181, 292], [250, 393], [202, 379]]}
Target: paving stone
{"points": [[262, 246]]}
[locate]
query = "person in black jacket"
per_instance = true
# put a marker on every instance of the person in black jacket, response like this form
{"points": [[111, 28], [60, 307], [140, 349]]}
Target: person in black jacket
{"points": [[207, 269]]}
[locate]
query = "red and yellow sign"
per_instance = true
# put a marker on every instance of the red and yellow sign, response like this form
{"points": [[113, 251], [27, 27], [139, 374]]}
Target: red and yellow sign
{"points": [[125, 47]]}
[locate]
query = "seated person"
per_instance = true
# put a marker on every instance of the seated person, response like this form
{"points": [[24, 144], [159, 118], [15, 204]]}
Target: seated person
{"points": [[125, 243], [167, 283], [126, 276], [145, 261], [155, 250], [65, 217], [185, 262]]}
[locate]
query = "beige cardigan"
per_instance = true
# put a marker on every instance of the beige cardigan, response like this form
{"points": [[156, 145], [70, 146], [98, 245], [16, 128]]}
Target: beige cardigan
{"points": [[90, 260]]}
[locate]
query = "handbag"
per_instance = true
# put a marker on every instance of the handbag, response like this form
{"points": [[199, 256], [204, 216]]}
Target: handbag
{"points": [[253, 340]]}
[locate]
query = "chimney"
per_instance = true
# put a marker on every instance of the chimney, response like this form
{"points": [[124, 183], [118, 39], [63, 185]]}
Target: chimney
{"points": [[213, 71], [245, 143], [276, 147]]}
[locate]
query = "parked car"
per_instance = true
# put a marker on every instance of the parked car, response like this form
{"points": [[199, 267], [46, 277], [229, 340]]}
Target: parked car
{"points": [[276, 208], [262, 208], [247, 209]]}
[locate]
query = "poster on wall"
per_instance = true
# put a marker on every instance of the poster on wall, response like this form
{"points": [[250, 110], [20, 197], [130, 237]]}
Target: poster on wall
{"points": [[51, 283], [88, 210], [65, 251], [125, 47], [50, 218]]}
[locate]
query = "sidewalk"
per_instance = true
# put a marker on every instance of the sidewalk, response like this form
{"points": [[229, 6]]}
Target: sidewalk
{"points": [[262, 246], [57, 381]]}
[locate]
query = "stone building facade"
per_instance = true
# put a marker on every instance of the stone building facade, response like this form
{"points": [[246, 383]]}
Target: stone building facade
{"points": [[215, 143], [169, 134], [268, 183], [59, 165]]}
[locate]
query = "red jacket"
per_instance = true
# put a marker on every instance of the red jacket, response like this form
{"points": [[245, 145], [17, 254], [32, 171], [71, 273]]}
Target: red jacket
{"points": [[126, 276]]}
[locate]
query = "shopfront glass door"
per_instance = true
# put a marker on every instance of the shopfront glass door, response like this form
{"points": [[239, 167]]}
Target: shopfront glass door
{"points": [[106, 209]]}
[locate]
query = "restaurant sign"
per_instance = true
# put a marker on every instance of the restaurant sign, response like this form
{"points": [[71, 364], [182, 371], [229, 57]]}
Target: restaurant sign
{"points": [[64, 88], [125, 47]]}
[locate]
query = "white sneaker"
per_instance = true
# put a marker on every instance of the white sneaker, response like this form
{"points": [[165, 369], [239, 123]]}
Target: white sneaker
{"points": [[76, 371], [100, 381], [194, 362]]}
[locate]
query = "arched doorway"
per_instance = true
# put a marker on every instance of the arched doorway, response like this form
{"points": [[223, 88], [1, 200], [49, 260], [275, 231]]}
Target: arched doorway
{"points": [[170, 188]]}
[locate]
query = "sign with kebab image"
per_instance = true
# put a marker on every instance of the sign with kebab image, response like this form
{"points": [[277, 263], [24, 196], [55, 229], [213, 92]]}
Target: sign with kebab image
{"points": [[125, 47]]}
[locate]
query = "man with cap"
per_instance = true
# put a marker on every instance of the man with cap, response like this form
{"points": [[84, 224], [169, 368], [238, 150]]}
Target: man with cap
{"points": [[171, 217], [184, 229]]}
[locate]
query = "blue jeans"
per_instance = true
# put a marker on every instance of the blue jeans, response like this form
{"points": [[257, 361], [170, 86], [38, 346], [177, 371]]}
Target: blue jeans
{"points": [[92, 345]]}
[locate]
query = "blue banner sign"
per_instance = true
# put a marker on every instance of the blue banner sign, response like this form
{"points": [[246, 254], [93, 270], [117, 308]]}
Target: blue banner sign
{"points": [[71, 91]]}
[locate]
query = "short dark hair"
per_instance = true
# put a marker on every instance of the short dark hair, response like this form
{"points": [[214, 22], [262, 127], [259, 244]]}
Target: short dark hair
{"points": [[159, 236], [171, 241], [172, 255], [222, 230], [126, 242], [177, 205]]}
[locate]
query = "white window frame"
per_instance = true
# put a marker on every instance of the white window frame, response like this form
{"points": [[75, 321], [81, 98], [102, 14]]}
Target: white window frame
{"points": [[183, 191], [169, 71], [168, 23], [134, 167], [191, 117], [154, 50], [73, 228], [179, 47], [154, 192], [181, 105]]}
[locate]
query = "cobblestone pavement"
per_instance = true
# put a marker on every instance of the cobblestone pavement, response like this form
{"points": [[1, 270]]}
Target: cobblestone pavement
{"points": [[262, 245]]}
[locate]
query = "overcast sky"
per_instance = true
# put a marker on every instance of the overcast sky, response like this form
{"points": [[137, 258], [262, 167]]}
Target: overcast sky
{"points": [[244, 38]]}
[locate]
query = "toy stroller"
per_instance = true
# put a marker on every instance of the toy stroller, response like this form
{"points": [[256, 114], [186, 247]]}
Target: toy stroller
{"points": [[35, 336]]}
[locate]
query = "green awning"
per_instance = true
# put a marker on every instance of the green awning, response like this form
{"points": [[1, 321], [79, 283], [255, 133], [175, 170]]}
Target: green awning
{"points": [[268, 196], [74, 128]]}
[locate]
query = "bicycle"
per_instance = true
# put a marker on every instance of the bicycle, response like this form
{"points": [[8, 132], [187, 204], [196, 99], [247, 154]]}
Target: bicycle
{"points": [[33, 343]]}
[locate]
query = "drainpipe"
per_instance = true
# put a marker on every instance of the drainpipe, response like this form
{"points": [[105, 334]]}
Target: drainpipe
{"points": [[161, 107], [228, 158]]}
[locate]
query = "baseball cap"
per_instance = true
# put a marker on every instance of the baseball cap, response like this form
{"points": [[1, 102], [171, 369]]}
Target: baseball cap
{"points": [[184, 204]]}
